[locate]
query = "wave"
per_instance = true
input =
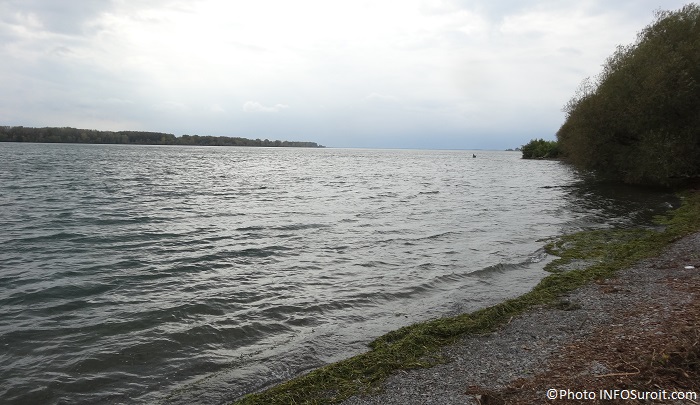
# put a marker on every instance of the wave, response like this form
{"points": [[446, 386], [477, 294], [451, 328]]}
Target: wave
{"points": [[53, 237], [444, 281], [536, 257], [293, 227], [414, 241], [59, 292]]}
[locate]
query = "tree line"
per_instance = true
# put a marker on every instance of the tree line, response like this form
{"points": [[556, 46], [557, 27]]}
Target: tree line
{"points": [[75, 135], [638, 121]]}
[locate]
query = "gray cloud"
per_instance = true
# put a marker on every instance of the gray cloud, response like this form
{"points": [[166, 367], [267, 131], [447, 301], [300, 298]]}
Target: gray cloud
{"points": [[255, 107], [59, 17]]}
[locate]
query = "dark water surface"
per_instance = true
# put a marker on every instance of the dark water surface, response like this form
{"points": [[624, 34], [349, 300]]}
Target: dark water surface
{"points": [[146, 274]]}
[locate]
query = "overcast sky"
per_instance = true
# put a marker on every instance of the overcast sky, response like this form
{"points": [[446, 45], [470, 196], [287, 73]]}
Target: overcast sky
{"points": [[467, 74]]}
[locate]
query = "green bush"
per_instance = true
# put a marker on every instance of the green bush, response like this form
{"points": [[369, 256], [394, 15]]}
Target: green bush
{"points": [[540, 149], [639, 120]]}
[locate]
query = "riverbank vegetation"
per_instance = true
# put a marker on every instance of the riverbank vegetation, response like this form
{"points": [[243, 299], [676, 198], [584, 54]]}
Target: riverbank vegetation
{"points": [[603, 251], [638, 121], [540, 149], [75, 135]]}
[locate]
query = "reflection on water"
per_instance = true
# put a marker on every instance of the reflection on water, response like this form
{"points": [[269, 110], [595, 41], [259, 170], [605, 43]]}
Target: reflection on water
{"points": [[605, 204]]}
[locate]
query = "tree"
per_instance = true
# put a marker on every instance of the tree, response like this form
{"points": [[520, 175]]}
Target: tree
{"points": [[540, 149], [639, 120]]}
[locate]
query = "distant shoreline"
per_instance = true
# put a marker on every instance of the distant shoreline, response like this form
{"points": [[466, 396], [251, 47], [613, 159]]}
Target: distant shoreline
{"points": [[20, 134]]}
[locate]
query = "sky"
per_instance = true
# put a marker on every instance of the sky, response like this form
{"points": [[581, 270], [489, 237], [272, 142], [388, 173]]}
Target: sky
{"points": [[440, 74]]}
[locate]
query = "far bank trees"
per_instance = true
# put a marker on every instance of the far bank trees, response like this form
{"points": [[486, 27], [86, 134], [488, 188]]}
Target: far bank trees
{"points": [[75, 135], [639, 120]]}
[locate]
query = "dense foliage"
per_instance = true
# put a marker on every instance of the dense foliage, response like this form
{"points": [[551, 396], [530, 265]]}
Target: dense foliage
{"points": [[540, 149], [639, 120], [74, 135]]}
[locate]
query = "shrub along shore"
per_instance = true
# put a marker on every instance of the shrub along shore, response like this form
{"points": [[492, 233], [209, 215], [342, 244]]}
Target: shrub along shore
{"points": [[638, 121], [604, 252]]}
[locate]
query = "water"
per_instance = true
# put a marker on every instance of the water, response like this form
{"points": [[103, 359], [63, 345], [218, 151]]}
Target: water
{"points": [[146, 274]]}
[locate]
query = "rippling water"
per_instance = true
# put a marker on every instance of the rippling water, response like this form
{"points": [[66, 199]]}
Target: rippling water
{"points": [[145, 274]]}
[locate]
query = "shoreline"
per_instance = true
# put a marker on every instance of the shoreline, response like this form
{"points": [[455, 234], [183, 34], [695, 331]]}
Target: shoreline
{"points": [[606, 335], [586, 259]]}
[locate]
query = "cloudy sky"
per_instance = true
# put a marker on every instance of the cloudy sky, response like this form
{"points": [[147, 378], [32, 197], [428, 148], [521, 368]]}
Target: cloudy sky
{"points": [[481, 74]]}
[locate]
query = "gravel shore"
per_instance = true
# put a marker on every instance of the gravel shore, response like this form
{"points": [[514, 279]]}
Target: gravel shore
{"points": [[594, 339]]}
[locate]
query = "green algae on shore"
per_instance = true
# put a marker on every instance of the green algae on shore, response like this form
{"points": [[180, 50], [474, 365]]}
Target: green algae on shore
{"points": [[603, 251]]}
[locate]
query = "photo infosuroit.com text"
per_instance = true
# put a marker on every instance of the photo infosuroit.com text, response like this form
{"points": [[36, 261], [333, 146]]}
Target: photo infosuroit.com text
{"points": [[621, 394]]}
